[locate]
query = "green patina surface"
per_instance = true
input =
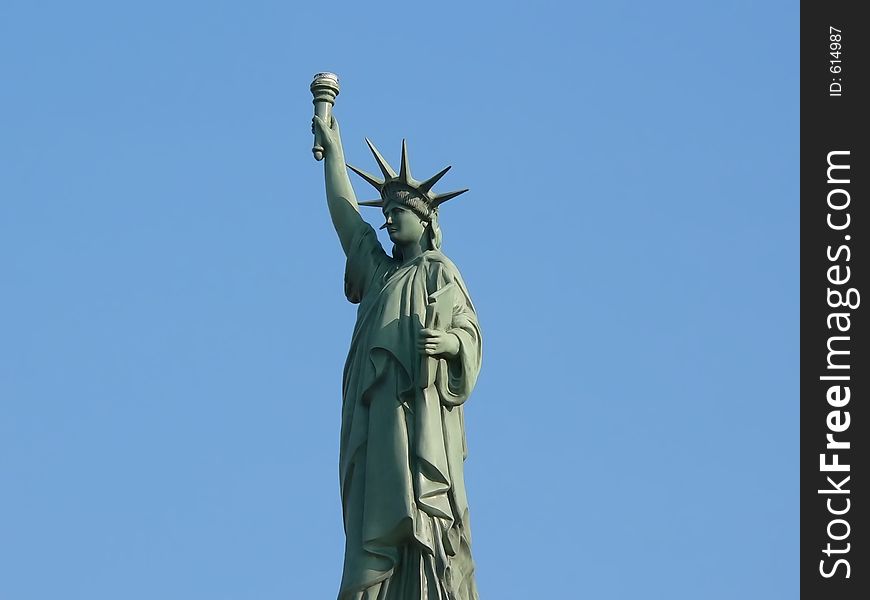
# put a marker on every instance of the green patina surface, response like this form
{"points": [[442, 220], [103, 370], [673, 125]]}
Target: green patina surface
{"points": [[414, 358]]}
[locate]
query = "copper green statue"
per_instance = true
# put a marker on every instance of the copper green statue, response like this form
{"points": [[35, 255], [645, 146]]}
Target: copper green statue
{"points": [[413, 361]]}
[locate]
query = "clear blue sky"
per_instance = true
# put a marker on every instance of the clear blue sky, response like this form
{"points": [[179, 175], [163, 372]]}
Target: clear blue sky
{"points": [[173, 327]]}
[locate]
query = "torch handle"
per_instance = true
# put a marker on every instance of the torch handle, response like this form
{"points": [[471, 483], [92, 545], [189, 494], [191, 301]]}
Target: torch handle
{"points": [[322, 110]]}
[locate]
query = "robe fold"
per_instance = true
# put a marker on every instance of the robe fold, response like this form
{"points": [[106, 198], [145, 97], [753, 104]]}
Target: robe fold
{"points": [[403, 446]]}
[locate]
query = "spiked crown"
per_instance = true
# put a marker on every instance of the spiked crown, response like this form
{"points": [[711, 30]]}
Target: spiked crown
{"points": [[402, 187]]}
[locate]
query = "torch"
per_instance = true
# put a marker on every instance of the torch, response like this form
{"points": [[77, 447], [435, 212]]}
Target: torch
{"points": [[324, 88]]}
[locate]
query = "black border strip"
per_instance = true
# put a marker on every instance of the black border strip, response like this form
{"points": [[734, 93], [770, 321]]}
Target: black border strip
{"points": [[835, 299]]}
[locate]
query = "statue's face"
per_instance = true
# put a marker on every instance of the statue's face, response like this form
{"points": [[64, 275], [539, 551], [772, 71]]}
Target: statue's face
{"points": [[402, 224]]}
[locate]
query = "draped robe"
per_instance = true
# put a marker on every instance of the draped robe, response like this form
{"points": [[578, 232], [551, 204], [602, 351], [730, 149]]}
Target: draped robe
{"points": [[402, 446]]}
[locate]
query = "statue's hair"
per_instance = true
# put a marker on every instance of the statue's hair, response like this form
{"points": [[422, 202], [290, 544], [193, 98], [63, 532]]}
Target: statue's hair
{"points": [[413, 201]]}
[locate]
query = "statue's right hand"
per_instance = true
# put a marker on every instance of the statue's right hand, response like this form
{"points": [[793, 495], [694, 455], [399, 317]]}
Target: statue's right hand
{"points": [[330, 136]]}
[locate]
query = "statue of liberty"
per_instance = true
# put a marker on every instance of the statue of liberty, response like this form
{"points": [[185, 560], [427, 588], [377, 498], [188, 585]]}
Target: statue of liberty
{"points": [[413, 361]]}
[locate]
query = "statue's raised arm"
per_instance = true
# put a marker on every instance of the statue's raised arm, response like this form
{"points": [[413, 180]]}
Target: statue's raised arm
{"points": [[340, 197]]}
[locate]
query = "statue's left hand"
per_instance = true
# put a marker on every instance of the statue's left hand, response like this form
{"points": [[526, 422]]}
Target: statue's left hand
{"points": [[432, 342]]}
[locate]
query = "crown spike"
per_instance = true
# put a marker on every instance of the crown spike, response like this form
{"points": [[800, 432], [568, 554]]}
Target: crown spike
{"points": [[427, 185], [405, 169], [442, 198], [376, 183], [386, 169], [403, 180]]}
